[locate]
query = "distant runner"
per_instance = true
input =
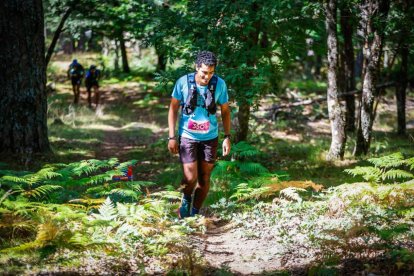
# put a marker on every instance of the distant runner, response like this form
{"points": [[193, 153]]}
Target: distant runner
{"points": [[91, 81], [75, 74]]}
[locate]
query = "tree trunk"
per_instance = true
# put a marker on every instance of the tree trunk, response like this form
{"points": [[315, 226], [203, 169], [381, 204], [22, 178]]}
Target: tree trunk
{"points": [[371, 24], [401, 90], [243, 117], [349, 68], [116, 57], [125, 66], [23, 105], [162, 59], [336, 114], [56, 35], [252, 39]]}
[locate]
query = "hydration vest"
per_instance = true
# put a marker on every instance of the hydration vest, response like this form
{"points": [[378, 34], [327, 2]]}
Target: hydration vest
{"points": [[209, 100], [76, 70], [92, 76]]}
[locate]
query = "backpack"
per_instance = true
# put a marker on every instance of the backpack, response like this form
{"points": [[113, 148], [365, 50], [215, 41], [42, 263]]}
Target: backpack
{"points": [[76, 70], [191, 101], [93, 76]]}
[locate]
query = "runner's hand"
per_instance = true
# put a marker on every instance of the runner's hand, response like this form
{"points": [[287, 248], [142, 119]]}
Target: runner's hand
{"points": [[226, 146], [173, 146]]}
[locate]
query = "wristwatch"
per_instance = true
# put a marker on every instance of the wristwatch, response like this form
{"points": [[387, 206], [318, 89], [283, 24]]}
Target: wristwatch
{"points": [[172, 138]]}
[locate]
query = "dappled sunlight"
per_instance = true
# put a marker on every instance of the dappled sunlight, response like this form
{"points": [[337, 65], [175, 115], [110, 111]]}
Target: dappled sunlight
{"points": [[287, 136]]}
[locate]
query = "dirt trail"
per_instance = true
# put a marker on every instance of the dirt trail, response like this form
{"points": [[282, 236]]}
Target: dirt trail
{"points": [[115, 144], [223, 249]]}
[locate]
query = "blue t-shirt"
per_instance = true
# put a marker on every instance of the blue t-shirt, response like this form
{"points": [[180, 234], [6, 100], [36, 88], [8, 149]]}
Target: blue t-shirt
{"points": [[200, 125]]}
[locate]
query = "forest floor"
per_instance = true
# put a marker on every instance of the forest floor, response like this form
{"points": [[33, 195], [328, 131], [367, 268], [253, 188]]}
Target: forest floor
{"points": [[221, 247]]}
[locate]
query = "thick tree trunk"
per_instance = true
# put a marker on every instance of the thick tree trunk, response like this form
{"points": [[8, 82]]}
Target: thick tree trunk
{"points": [[401, 90], [125, 66], [23, 105], [56, 35], [373, 15], [243, 117], [349, 68], [336, 114]]}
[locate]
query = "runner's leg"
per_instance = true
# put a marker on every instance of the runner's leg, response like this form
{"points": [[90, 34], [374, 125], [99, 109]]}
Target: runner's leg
{"points": [[88, 88], [77, 93], [207, 153], [201, 191], [190, 177]]}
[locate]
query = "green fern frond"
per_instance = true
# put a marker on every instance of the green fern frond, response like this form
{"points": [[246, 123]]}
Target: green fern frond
{"points": [[125, 193], [223, 168], [244, 150], [410, 162], [98, 190], [371, 174], [13, 179], [244, 192], [87, 167], [25, 247], [251, 168], [397, 174], [389, 161], [48, 173], [79, 241], [167, 195], [140, 183], [133, 185], [99, 179], [41, 191]]}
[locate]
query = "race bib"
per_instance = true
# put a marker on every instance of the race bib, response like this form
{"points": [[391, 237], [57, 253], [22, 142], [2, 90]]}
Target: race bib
{"points": [[198, 126]]}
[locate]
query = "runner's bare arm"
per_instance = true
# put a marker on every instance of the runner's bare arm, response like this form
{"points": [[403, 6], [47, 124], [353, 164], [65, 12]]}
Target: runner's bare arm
{"points": [[225, 116], [172, 120]]}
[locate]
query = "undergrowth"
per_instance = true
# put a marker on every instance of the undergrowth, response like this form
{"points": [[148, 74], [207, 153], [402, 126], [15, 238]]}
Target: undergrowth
{"points": [[362, 220]]}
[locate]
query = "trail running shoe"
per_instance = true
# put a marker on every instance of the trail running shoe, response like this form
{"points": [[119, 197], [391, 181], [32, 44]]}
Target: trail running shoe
{"points": [[184, 210], [194, 211]]}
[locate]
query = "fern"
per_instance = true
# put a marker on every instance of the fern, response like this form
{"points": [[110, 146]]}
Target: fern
{"points": [[244, 192], [167, 195], [41, 191], [410, 162], [292, 193], [371, 174], [389, 161], [251, 168], [122, 193], [243, 150], [397, 174], [386, 168], [107, 210]]}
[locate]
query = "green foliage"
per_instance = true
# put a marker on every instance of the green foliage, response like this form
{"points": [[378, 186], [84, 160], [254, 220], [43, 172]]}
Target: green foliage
{"points": [[148, 226], [385, 169]]}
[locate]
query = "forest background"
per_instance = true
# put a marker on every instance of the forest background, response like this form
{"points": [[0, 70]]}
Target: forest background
{"points": [[320, 178]]}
